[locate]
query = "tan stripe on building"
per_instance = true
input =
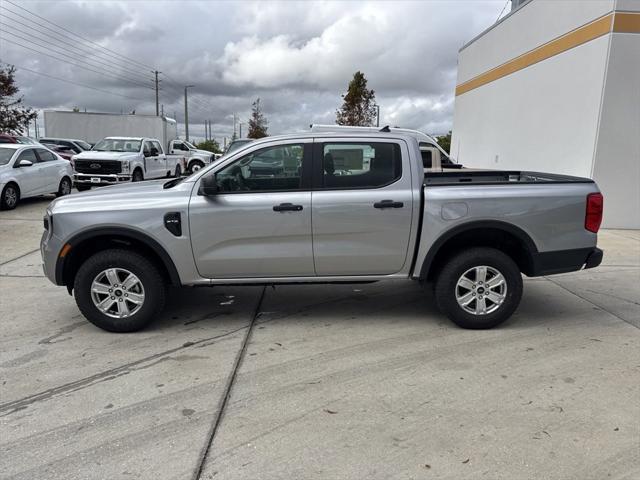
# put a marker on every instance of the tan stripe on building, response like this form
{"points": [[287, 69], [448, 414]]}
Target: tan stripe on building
{"points": [[620, 22]]}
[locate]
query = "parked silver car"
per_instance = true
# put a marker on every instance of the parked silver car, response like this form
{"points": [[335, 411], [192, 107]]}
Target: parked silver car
{"points": [[322, 207], [31, 170]]}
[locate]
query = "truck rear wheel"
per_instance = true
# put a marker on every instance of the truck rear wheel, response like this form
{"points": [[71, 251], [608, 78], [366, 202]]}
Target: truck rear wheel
{"points": [[479, 288], [119, 290], [195, 166]]}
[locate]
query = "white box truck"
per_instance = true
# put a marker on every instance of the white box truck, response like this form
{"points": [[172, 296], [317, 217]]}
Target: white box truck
{"points": [[93, 127]]}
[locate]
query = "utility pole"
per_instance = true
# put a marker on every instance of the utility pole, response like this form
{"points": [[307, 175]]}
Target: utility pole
{"points": [[186, 112], [240, 130], [206, 130], [156, 72], [234, 127], [162, 110], [377, 115]]}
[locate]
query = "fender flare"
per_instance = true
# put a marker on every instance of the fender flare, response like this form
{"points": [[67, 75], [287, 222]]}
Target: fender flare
{"points": [[168, 263], [530, 246]]}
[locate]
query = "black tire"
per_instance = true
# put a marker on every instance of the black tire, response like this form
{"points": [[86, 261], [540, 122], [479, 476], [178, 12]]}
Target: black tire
{"points": [[148, 275], [10, 197], [64, 188], [83, 188], [447, 288], [195, 165], [137, 175], [178, 171]]}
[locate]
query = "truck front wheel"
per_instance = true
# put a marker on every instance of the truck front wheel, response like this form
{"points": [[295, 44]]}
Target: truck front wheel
{"points": [[119, 290], [137, 175], [479, 288]]}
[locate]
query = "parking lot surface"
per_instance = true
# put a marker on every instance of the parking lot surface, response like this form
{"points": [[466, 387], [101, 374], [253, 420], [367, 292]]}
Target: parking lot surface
{"points": [[330, 382]]}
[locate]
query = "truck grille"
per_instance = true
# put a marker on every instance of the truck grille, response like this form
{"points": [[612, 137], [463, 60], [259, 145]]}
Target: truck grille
{"points": [[98, 167]]}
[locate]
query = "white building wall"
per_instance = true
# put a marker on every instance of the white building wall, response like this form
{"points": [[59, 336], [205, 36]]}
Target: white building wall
{"points": [[617, 153], [544, 117], [577, 112], [532, 25]]}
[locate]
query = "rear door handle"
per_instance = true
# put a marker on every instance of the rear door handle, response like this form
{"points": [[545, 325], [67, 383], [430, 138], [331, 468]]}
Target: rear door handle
{"points": [[287, 207], [388, 204]]}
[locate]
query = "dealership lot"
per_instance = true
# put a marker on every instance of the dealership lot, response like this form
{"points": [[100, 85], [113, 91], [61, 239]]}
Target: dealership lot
{"points": [[337, 381]]}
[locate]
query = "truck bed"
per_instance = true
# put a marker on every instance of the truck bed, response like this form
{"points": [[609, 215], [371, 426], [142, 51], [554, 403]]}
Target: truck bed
{"points": [[496, 177]]}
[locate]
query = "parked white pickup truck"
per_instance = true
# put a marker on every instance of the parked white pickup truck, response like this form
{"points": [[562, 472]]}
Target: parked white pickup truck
{"points": [[124, 159], [196, 158]]}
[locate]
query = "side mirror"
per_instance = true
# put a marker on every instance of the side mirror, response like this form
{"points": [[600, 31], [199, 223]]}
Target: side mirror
{"points": [[208, 185], [24, 163]]}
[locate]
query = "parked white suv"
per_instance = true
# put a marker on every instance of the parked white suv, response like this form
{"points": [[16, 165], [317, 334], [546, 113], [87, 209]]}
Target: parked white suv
{"points": [[124, 159], [31, 170]]}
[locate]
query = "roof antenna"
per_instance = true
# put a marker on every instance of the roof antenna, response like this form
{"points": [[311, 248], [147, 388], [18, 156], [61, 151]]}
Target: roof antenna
{"points": [[385, 129]]}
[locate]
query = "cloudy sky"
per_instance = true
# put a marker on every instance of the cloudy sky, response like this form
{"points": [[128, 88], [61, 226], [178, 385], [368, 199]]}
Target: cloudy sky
{"points": [[298, 57]]}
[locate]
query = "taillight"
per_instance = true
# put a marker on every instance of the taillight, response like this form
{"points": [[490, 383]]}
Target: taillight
{"points": [[593, 216]]}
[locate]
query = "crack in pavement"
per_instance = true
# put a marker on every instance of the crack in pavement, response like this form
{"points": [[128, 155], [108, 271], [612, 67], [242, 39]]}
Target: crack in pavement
{"points": [[591, 302], [19, 257], [11, 407], [227, 391]]}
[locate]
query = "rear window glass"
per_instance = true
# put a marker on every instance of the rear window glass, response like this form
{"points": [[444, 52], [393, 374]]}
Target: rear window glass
{"points": [[360, 165]]}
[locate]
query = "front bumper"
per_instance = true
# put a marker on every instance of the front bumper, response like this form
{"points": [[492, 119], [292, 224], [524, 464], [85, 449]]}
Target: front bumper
{"points": [[97, 180]]}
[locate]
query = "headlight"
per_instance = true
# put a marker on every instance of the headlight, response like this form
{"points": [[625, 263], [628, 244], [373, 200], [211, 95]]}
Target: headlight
{"points": [[125, 167]]}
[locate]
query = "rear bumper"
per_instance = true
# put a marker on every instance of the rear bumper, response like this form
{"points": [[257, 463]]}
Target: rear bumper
{"points": [[97, 180], [563, 261]]}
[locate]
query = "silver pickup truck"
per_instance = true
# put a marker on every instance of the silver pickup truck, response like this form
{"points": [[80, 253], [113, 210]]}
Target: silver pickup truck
{"points": [[322, 207]]}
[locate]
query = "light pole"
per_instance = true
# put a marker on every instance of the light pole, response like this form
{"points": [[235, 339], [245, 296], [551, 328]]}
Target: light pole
{"points": [[241, 129], [377, 115], [186, 112]]}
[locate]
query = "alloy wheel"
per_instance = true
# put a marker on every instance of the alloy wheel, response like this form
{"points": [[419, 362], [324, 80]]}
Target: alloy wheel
{"points": [[117, 293], [481, 290]]}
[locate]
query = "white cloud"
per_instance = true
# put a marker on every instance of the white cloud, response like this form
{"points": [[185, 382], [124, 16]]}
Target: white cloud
{"points": [[297, 56]]}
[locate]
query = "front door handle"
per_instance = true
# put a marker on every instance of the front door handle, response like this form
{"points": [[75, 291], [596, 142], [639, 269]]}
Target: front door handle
{"points": [[388, 204], [287, 207]]}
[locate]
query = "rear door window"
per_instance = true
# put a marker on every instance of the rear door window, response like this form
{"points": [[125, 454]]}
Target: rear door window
{"points": [[46, 156], [360, 165]]}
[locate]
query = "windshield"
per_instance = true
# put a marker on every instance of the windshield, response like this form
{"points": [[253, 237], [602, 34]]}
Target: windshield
{"points": [[83, 145], [189, 146], [26, 140], [5, 155], [117, 145], [236, 144]]}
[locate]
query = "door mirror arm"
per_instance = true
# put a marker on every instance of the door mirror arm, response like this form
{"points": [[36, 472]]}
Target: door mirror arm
{"points": [[208, 185]]}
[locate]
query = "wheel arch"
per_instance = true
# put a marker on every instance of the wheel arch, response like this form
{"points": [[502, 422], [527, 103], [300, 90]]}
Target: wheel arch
{"points": [[87, 243], [506, 237]]}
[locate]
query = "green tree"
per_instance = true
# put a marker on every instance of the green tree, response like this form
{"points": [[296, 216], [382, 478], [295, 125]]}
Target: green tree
{"points": [[258, 122], [14, 117], [445, 141], [359, 106], [210, 146]]}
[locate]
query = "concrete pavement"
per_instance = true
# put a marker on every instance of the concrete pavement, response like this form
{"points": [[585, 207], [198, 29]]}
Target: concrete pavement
{"points": [[337, 382]]}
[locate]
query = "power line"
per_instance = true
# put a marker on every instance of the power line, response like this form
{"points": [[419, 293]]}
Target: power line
{"points": [[72, 63], [85, 50], [77, 46], [57, 52], [74, 83], [128, 59]]}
